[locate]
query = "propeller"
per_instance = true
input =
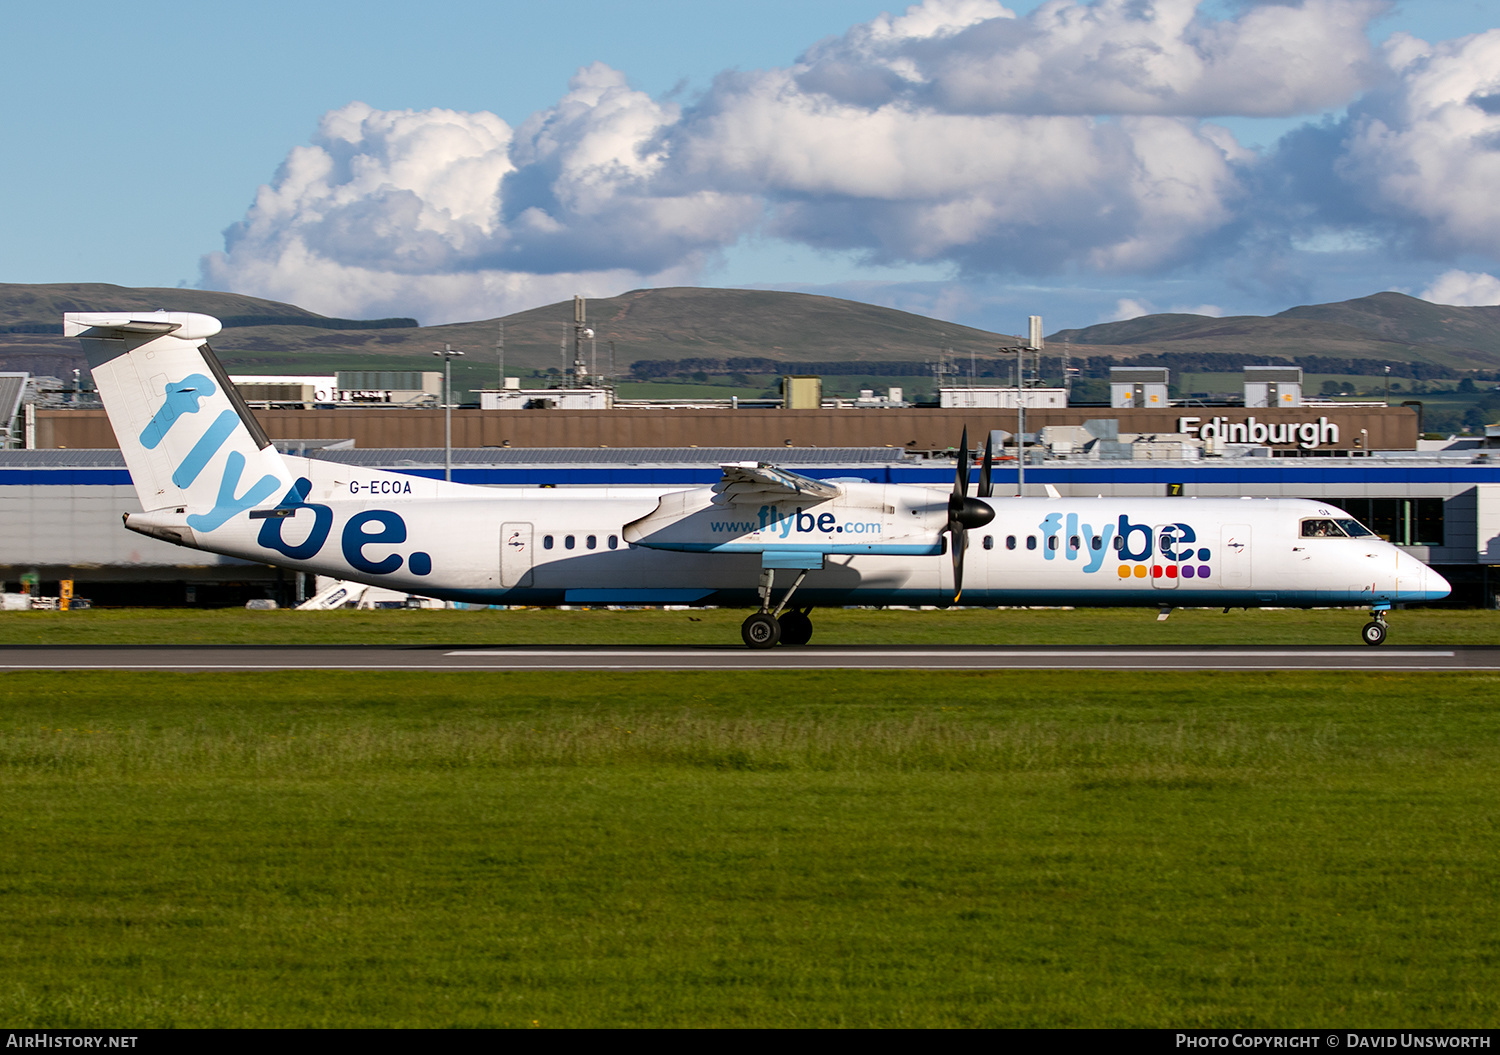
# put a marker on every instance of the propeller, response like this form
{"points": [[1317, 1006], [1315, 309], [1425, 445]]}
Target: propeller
{"points": [[965, 512]]}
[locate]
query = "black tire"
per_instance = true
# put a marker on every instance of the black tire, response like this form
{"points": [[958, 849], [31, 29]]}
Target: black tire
{"points": [[796, 628], [1373, 632], [761, 630]]}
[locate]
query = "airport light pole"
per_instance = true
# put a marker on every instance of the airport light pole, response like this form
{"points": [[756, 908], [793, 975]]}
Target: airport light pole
{"points": [[1021, 422], [448, 353]]}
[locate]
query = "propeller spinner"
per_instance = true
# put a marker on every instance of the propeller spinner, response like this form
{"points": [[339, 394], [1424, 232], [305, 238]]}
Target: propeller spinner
{"points": [[965, 512]]}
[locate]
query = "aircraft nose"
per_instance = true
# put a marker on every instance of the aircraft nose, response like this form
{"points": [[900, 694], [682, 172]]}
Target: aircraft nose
{"points": [[1436, 587], [1420, 582]]}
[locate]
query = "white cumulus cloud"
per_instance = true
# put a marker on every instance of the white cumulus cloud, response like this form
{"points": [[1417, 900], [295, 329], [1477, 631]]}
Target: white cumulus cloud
{"points": [[1127, 308], [450, 215], [1111, 56], [986, 192], [1074, 140], [1424, 149], [1466, 288]]}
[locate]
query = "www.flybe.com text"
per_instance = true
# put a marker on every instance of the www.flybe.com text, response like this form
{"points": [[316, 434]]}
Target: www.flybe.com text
{"points": [[783, 525]]}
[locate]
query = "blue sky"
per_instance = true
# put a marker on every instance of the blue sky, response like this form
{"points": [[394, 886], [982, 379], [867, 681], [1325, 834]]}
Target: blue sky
{"points": [[912, 161]]}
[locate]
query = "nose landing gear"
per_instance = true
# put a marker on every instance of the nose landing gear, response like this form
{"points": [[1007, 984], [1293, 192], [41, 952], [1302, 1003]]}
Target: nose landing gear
{"points": [[1373, 632]]}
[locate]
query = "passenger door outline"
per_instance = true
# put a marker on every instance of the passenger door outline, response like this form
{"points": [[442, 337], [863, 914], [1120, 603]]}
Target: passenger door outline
{"points": [[515, 555], [1234, 556]]}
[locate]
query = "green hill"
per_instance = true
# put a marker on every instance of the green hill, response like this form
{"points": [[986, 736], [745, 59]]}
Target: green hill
{"points": [[709, 330], [689, 322], [652, 324], [1389, 327], [23, 308]]}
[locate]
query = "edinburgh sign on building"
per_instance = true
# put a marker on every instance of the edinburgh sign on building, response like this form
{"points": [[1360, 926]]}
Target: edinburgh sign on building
{"points": [[1307, 434]]}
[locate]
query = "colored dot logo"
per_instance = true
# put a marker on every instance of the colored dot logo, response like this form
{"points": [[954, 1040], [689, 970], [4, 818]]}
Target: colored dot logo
{"points": [[1170, 571]]}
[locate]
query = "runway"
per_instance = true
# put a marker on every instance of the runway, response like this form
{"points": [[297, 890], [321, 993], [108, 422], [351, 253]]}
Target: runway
{"points": [[448, 658]]}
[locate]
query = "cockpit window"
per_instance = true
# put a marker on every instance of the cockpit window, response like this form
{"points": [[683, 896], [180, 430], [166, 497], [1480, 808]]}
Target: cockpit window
{"points": [[1321, 529], [1355, 528]]}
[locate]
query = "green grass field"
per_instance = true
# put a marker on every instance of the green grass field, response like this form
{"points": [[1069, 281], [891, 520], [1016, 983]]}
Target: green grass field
{"points": [[968, 626], [763, 849]]}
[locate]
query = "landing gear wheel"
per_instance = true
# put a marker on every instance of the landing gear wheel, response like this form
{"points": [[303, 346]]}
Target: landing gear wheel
{"points": [[1373, 632], [796, 628], [761, 630]]}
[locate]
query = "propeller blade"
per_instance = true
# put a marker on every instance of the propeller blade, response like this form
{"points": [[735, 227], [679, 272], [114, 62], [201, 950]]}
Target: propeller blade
{"points": [[965, 512], [960, 543], [961, 477], [986, 470]]}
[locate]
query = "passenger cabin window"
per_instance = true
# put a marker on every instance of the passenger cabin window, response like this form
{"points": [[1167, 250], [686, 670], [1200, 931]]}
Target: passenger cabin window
{"points": [[1073, 542], [1010, 542], [1052, 542], [568, 542], [1031, 542], [989, 542], [546, 542], [1118, 543], [1096, 543], [614, 543], [592, 542], [1321, 529]]}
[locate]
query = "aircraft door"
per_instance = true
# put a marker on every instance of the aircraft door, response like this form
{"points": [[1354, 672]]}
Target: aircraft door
{"points": [[515, 555], [1164, 570], [1233, 557]]}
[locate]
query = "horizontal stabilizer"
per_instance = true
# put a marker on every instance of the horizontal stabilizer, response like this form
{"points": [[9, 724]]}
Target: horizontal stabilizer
{"points": [[186, 325], [761, 481]]}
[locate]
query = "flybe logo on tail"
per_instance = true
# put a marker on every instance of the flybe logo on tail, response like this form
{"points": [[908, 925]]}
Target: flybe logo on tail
{"points": [[182, 400]]}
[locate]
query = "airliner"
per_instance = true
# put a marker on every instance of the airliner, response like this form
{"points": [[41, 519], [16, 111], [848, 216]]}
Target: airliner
{"points": [[764, 538]]}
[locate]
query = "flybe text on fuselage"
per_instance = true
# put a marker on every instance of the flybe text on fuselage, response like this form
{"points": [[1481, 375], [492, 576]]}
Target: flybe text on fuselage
{"points": [[383, 528], [1133, 545], [783, 523]]}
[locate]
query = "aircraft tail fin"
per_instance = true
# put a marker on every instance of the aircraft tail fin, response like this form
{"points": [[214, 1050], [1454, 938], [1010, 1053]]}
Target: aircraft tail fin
{"points": [[188, 438]]}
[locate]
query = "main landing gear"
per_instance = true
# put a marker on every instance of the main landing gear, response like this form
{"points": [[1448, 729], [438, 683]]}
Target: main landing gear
{"points": [[1373, 632], [796, 627], [768, 628]]}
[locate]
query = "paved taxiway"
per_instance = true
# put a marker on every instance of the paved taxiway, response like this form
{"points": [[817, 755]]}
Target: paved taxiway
{"points": [[434, 658]]}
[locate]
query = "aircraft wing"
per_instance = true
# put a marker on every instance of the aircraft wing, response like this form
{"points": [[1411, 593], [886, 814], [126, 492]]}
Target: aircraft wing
{"points": [[761, 481]]}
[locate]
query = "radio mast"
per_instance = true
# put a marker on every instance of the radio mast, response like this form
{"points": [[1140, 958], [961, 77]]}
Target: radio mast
{"points": [[581, 333]]}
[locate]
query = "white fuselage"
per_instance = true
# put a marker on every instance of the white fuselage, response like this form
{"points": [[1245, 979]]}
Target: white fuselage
{"points": [[879, 544]]}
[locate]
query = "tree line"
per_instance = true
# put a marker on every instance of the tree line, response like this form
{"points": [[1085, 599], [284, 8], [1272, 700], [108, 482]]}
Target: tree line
{"points": [[1052, 366]]}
